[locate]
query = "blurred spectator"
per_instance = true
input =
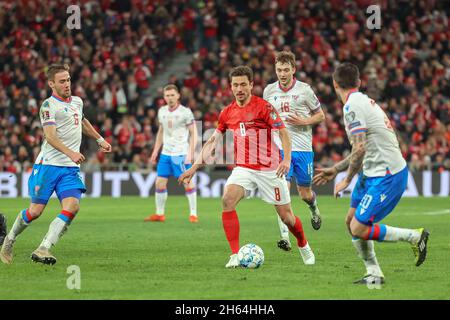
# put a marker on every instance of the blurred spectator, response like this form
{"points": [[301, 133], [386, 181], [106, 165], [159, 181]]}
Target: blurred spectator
{"points": [[405, 66]]}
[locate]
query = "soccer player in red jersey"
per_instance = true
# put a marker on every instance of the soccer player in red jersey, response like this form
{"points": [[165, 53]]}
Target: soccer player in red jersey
{"points": [[258, 162]]}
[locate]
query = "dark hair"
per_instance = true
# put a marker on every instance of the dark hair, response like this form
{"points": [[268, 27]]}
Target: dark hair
{"points": [[171, 87], [285, 57], [56, 68], [241, 71], [346, 75]]}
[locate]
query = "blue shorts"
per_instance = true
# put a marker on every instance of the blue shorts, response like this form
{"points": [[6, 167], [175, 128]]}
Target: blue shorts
{"points": [[374, 198], [45, 179], [302, 168], [171, 166]]}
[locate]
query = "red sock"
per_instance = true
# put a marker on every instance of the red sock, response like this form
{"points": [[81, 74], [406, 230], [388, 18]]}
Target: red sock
{"points": [[297, 231], [231, 227]]}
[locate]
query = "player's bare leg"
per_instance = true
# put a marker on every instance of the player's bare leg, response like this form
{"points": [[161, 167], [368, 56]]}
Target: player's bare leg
{"points": [[232, 195], [284, 243], [191, 194], [160, 200], [366, 251], [295, 227], [309, 197], [22, 221], [70, 207]]}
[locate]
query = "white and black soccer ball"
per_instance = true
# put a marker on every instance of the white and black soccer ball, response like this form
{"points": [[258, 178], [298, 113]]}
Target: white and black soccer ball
{"points": [[251, 256]]}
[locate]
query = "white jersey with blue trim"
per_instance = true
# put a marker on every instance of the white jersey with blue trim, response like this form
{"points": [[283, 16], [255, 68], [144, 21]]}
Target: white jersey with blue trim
{"points": [[383, 155], [298, 99], [175, 129], [66, 116]]}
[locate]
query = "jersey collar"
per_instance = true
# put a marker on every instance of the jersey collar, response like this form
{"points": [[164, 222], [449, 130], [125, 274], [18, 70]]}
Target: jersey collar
{"points": [[54, 95], [287, 89], [172, 110], [349, 93]]}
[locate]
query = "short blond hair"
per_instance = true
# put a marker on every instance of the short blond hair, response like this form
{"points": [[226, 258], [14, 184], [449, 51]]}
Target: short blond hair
{"points": [[171, 87], [56, 68], [285, 57]]}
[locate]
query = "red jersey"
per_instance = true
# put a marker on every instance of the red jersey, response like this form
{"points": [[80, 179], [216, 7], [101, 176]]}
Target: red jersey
{"points": [[252, 127]]}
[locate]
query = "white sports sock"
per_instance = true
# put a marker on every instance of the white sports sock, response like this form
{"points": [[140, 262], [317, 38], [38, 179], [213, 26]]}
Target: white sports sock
{"points": [[192, 198], [366, 252], [160, 199], [18, 226], [284, 230], [399, 234], [55, 231]]}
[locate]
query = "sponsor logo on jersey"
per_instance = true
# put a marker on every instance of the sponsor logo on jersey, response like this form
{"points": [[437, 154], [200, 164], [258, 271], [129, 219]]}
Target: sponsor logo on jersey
{"points": [[382, 197]]}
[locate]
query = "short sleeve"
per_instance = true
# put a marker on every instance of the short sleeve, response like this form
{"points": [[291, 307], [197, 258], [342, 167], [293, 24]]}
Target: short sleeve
{"points": [[222, 124], [47, 114], [354, 119], [311, 100], [272, 117], [189, 118]]}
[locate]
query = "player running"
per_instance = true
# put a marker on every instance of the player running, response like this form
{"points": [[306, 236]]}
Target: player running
{"points": [[257, 159], [300, 109], [57, 167], [176, 127], [384, 175]]}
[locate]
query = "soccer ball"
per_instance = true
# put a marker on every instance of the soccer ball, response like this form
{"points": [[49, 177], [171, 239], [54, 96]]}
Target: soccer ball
{"points": [[251, 256]]}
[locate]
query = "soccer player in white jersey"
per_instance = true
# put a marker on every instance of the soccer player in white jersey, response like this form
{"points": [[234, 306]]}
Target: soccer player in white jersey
{"points": [[177, 135], [300, 109], [383, 179], [57, 167]]}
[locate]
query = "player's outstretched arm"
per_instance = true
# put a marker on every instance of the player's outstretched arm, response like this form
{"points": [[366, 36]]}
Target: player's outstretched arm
{"points": [[296, 120], [325, 175], [53, 140], [205, 153], [90, 131], [284, 166], [158, 144], [358, 142], [192, 142]]}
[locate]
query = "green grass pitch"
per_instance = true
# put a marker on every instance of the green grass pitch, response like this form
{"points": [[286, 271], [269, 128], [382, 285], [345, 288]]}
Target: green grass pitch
{"points": [[122, 257]]}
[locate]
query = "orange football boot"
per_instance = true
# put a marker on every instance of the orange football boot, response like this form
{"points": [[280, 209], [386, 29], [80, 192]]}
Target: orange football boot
{"points": [[155, 218], [193, 219]]}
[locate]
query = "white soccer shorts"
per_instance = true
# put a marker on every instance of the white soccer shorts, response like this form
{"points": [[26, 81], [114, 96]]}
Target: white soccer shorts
{"points": [[273, 190]]}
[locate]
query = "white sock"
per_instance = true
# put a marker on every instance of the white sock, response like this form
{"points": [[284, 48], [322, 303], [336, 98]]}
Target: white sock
{"points": [[399, 234], [18, 226], [160, 199], [192, 198], [366, 252], [284, 230], [55, 231]]}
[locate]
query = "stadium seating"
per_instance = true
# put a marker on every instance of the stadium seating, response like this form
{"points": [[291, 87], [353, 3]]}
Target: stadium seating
{"points": [[405, 66]]}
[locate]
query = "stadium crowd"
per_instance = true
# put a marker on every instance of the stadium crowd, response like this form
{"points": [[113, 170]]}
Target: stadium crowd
{"points": [[405, 66]]}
